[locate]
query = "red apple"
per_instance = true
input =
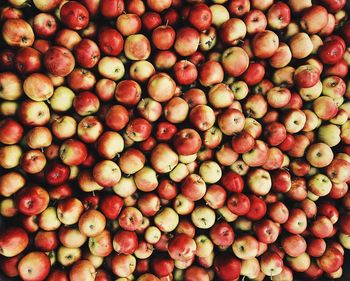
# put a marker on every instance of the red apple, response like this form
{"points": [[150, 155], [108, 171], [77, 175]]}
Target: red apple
{"points": [[74, 15], [34, 266], [13, 241], [227, 267], [59, 61]]}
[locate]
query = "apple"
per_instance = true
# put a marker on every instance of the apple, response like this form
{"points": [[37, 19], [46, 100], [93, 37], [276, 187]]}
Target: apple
{"points": [[255, 21], [71, 237], [182, 247], [149, 204], [59, 61], [128, 92], [196, 272], [163, 37], [11, 88], [69, 210], [82, 269], [64, 127], [110, 41], [67, 38], [279, 15], [9, 266], [265, 44], [111, 68], [38, 87], [314, 19], [92, 223], [203, 217], [235, 61], [227, 267], [123, 265], [186, 41], [161, 87], [162, 266], [297, 221], [301, 45], [331, 260], [68, 256], [210, 73], [111, 9], [73, 152], [271, 264], [11, 131], [86, 53], [267, 231], [28, 60], [33, 161], [137, 47], [101, 245], [34, 266], [128, 24], [130, 218], [183, 205], [185, 72], [17, 33], [151, 20], [10, 183], [32, 200], [10, 156], [46, 240], [259, 181], [202, 117], [245, 247], [232, 31], [74, 15], [62, 99], [13, 241]]}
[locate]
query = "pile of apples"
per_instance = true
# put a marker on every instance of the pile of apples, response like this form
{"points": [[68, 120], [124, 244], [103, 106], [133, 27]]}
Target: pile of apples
{"points": [[174, 140]]}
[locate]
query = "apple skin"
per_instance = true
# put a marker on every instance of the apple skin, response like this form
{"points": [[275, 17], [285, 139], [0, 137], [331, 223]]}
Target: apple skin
{"points": [[9, 266], [163, 37], [73, 152], [186, 41], [331, 52], [34, 266], [187, 142], [46, 241], [222, 234], [92, 223], [13, 241], [59, 61], [314, 19], [57, 275], [86, 53], [10, 131], [331, 260], [57, 173], [82, 269], [111, 206], [111, 9], [28, 60], [32, 200], [235, 61], [162, 266], [257, 209], [74, 15], [110, 41], [239, 204], [182, 247], [227, 267], [23, 35]]}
